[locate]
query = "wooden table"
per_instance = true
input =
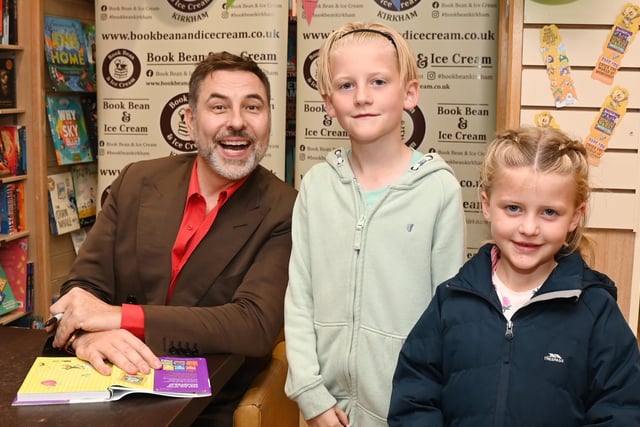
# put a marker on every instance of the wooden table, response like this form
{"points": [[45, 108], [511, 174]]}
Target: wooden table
{"points": [[19, 348]]}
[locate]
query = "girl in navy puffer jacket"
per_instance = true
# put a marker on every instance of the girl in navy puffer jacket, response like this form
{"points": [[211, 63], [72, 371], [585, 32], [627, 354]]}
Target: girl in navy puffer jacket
{"points": [[526, 334]]}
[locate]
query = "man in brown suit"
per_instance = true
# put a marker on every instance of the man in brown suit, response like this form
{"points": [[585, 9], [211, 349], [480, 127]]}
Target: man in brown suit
{"points": [[189, 254]]}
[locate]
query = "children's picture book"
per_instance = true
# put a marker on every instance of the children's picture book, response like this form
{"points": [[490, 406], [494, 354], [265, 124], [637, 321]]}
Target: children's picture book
{"points": [[8, 80], [66, 55], [14, 260], [85, 185], [68, 129], [57, 380], [63, 214], [8, 301], [12, 150]]}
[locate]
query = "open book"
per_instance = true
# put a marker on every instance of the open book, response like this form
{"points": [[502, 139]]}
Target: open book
{"points": [[54, 380]]}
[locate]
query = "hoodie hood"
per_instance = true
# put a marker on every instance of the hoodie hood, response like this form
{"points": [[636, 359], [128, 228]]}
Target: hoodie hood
{"points": [[428, 164]]}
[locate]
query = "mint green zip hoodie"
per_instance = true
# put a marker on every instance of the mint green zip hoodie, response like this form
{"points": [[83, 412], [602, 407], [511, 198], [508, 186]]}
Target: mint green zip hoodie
{"points": [[359, 280]]}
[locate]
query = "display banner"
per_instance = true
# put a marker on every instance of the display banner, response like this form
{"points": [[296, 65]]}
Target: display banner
{"points": [[456, 44], [146, 51]]}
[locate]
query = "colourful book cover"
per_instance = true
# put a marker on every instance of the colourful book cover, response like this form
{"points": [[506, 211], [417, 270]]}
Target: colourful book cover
{"points": [[66, 54], [57, 380], [85, 185], [8, 301], [11, 151], [68, 130], [63, 215], [89, 30], [14, 260], [8, 80], [12, 211]]}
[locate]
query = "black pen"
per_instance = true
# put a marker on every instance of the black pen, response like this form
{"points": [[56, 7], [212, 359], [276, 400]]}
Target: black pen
{"points": [[54, 320]]}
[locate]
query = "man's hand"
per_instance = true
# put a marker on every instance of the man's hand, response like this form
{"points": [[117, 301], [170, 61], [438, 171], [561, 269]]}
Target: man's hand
{"points": [[334, 417], [118, 346], [83, 311]]}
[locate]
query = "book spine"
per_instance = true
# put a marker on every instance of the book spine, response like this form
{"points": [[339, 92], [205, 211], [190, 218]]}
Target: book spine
{"points": [[29, 299], [20, 216], [7, 208], [22, 143]]}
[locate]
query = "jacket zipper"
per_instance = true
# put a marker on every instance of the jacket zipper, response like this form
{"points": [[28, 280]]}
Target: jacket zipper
{"points": [[505, 369], [505, 372]]}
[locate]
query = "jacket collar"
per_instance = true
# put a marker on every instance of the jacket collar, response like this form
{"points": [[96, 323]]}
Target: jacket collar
{"points": [[570, 275]]}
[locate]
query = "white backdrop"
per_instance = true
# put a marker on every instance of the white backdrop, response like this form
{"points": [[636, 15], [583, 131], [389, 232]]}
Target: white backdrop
{"points": [[456, 44], [146, 51]]}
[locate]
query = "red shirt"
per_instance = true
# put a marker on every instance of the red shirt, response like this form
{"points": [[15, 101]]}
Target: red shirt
{"points": [[196, 223]]}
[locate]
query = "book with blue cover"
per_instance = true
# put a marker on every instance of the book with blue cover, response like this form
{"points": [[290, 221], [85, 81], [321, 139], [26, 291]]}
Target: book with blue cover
{"points": [[65, 44], [68, 129]]}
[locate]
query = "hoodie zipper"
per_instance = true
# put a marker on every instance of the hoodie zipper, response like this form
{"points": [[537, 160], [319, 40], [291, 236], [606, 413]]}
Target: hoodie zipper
{"points": [[355, 316]]}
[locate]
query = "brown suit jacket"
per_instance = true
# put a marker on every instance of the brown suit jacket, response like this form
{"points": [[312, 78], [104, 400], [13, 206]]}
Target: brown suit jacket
{"points": [[229, 296]]}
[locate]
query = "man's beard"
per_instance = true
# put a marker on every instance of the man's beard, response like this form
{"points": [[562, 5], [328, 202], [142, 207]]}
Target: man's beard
{"points": [[232, 169]]}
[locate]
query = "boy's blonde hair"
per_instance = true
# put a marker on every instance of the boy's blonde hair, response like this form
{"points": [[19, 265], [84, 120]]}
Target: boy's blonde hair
{"points": [[546, 150], [359, 32]]}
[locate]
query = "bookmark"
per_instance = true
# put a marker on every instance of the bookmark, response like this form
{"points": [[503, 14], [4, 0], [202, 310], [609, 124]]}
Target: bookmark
{"points": [[611, 112], [544, 119], [556, 60], [622, 34]]}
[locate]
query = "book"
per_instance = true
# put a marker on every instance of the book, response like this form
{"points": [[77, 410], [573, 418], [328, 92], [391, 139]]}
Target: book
{"points": [[90, 111], [58, 380], [30, 272], [89, 31], [63, 214], [8, 301], [12, 150], [66, 55], [12, 210], [14, 260], [68, 129], [77, 238], [8, 80], [85, 185], [9, 22]]}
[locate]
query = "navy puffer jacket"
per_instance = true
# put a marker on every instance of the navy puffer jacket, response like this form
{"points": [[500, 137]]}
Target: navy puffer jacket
{"points": [[567, 358]]}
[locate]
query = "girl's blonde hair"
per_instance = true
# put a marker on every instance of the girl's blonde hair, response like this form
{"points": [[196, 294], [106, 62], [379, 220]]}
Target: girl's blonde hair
{"points": [[360, 32], [546, 150]]}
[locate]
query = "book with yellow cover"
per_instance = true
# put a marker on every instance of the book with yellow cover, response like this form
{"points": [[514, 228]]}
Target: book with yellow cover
{"points": [[56, 380]]}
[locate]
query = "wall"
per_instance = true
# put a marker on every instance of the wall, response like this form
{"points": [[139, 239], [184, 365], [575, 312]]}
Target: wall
{"points": [[614, 210]]}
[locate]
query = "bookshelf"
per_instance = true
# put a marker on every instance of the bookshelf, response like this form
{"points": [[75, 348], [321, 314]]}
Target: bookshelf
{"points": [[51, 255], [26, 55], [59, 252]]}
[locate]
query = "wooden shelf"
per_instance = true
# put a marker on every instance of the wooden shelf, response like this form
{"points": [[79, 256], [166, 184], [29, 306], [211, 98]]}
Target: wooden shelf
{"points": [[12, 317], [11, 110], [13, 236], [7, 179]]}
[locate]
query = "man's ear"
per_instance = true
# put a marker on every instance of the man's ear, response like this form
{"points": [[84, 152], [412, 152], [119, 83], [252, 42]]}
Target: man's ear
{"points": [[328, 105], [188, 120], [411, 95]]}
